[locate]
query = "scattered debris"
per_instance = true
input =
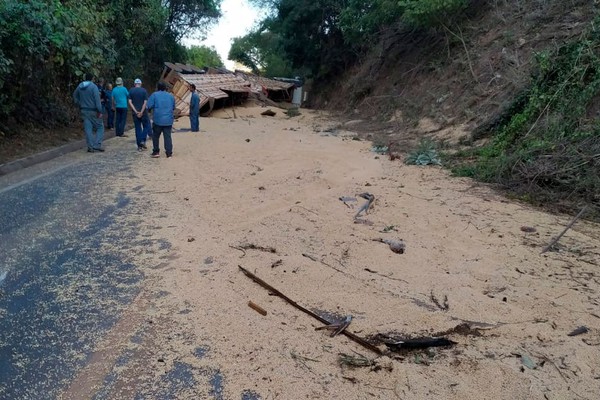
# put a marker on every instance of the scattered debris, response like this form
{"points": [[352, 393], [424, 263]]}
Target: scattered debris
{"points": [[400, 344], [527, 361], [466, 329], [324, 263], [309, 256], [528, 229], [337, 328], [397, 246], [276, 292], [365, 207], [209, 260], [302, 358], [380, 149], [257, 308], [357, 361], [247, 140], [277, 263], [389, 228], [304, 208], [191, 239], [385, 276], [578, 331], [261, 188], [363, 222], [555, 240], [347, 199], [268, 113], [250, 246], [442, 306]]}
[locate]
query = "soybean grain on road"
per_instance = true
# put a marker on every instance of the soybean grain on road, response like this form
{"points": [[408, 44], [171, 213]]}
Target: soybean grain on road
{"points": [[120, 279]]}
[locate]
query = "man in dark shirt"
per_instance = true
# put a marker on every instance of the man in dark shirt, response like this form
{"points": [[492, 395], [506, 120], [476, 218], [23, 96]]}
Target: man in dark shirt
{"points": [[194, 110], [138, 99]]}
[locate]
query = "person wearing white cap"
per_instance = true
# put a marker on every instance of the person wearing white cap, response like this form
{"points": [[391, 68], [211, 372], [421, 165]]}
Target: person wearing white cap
{"points": [[138, 100], [120, 95]]}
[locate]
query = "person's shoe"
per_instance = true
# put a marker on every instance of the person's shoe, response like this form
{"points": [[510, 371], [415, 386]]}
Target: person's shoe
{"points": [[155, 154], [100, 149], [169, 155], [124, 135], [90, 150], [140, 148], [143, 146]]}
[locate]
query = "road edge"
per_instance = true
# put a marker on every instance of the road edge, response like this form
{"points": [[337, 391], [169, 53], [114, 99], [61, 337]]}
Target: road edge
{"points": [[47, 155]]}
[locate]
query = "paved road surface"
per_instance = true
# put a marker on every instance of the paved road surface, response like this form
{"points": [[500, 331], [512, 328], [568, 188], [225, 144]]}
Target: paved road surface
{"points": [[71, 247]]}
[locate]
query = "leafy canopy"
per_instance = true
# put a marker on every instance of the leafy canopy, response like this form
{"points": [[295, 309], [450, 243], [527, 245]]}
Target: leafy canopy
{"points": [[203, 56]]}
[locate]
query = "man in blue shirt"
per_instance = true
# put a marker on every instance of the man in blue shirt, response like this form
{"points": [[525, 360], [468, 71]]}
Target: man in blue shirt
{"points": [[138, 100], [87, 97], [163, 106], [120, 95], [194, 110]]}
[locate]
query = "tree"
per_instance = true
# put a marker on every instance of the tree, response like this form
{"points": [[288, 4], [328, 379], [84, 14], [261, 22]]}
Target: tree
{"points": [[203, 56], [186, 16], [47, 45], [261, 52]]}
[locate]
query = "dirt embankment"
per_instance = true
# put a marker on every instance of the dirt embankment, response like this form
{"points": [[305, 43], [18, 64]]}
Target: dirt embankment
{"points": [[458, 79], [471, 257]]}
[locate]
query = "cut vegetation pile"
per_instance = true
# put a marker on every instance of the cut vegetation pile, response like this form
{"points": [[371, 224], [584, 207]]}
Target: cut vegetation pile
{"points": [[546, 147]]}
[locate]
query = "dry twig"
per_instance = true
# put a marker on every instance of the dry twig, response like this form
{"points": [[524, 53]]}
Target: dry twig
{"points": [[556, 239]]}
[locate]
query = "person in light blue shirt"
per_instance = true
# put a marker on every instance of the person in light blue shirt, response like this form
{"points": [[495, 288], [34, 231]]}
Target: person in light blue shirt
{"points": [[194, 110], [120, 96], [162, 105]]}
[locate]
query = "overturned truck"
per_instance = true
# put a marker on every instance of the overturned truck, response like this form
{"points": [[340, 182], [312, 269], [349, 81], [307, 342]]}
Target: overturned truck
{"points": [[219, 87]]}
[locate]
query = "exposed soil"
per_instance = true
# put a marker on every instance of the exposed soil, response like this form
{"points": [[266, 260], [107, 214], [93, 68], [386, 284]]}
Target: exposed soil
{"points": [[467, 77], [34, 139], [257, 183]]}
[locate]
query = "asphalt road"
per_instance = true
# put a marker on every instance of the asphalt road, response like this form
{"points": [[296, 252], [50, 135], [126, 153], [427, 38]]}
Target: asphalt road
{"points": [[70, 240]]}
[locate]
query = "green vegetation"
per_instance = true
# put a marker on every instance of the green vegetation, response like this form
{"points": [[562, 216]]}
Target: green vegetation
{"points": [[547, 147], [424, 154], [432, 13], [203, 56], [320, 39], [47, 45]]}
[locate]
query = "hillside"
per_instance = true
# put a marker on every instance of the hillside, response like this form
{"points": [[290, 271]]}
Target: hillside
{"points": [[427, 74], [458, 87]]}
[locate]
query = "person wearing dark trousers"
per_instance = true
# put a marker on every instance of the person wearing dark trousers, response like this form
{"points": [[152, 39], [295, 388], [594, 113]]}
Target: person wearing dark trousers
{"points": [[120, 95], [162, 105], [87, 98], [138, 100], [194, 110], [110, 114], [101, 89]]}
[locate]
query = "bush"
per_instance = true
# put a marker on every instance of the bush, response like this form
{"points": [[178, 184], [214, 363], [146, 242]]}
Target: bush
{"points": [[431, 13], [548, 150]]}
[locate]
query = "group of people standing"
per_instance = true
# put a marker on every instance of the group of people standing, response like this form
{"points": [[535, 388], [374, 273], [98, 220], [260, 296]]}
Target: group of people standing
{"points": [[97, 100]]}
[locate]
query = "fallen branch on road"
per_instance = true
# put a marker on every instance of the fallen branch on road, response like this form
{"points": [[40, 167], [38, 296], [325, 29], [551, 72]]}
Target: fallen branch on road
{"points": [[276, 292]]}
